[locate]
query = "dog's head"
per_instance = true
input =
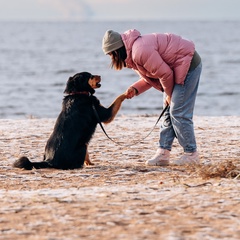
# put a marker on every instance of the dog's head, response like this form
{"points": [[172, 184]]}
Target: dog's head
{"points": [[83, 82]]}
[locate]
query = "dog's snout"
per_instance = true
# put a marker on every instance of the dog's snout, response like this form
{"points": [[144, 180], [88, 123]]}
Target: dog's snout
{"points": [[94, 81]]}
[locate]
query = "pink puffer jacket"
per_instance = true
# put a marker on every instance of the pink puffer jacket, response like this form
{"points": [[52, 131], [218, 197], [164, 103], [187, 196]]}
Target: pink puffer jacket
{"points": [[160, 59]]}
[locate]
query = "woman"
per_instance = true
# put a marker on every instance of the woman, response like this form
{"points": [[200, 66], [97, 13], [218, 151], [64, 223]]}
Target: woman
{"points": [[170, 64]]}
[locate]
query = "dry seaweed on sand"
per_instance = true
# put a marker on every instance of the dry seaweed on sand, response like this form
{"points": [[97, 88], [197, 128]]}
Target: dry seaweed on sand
{"points": [[226, 169]]}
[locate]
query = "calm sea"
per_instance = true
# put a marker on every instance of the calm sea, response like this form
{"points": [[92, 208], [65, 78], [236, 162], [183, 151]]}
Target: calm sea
{"points": [[36, 60]]}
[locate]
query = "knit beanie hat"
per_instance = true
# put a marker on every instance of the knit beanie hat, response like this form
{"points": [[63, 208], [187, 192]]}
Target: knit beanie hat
{"points": [[111, 41]]}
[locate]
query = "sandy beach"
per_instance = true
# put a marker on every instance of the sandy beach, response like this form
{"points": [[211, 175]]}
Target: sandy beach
{"points": [[119, 197]]}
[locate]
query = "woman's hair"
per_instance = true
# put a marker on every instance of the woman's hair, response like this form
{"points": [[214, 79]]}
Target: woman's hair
{"points": [[118, 58]]}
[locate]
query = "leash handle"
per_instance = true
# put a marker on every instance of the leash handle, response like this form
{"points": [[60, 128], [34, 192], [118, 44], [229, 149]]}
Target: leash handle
{"points": [[136, 142]]}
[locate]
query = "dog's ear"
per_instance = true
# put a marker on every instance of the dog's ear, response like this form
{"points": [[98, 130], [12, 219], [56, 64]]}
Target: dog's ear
{"points": [[70, 86], [75, 84]]}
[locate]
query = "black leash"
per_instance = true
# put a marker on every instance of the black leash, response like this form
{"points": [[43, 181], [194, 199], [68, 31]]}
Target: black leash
{"points": [[131, 144]]}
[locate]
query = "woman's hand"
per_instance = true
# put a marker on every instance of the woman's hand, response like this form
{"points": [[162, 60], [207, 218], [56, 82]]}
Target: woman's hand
{"points": [[131, 92], [167, 101]]}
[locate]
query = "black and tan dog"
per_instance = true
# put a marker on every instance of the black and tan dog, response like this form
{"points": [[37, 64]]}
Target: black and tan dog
{"points": [[67, 146]]}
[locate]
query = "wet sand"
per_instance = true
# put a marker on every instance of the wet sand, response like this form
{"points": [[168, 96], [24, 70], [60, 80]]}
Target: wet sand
{"points": [[119, 197]]}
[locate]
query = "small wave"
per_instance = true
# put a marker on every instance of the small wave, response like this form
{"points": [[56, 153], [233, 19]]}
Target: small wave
{"points": [[65, 71], [229, 94], [60, 84], [231, 61]]}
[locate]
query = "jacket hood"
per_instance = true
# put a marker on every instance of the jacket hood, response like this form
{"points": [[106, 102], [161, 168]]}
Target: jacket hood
{"points": [[129, 37]]}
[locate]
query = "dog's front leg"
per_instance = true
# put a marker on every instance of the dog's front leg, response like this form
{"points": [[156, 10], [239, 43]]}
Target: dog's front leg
{"points": [[114, 107]]}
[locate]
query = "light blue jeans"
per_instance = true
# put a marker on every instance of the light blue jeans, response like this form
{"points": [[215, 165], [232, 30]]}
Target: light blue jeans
{"points": [[177, 120]]}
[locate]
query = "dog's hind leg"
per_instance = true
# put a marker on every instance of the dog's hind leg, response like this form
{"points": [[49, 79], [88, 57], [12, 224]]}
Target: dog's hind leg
{"points": [[87, 160]]}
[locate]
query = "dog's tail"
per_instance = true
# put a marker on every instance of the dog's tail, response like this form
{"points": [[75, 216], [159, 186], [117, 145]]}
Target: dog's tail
{"points": [[25, 163]]}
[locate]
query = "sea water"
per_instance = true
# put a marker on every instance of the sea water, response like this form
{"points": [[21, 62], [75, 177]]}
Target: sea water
{"points": [[37, 58]]}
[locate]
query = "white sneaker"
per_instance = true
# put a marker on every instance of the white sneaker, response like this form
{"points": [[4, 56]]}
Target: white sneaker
{"points": [[189, 159], [161, 158]]}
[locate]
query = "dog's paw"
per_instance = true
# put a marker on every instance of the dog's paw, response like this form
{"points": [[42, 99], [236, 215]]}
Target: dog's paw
{"points": [[88, 163]]}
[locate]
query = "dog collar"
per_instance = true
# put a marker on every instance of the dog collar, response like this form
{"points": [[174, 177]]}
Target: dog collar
{"points": [[79, 93]]}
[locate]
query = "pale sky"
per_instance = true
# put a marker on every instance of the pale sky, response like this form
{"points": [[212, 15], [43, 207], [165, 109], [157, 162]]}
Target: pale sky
{"points": [[74, 10]]}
